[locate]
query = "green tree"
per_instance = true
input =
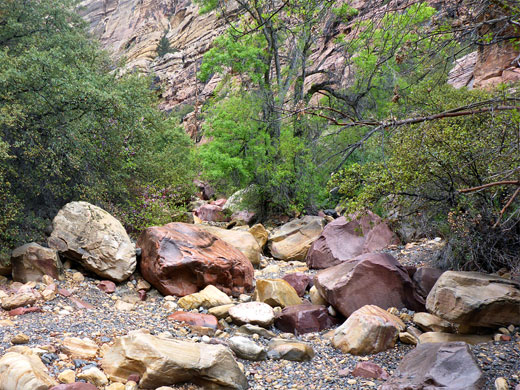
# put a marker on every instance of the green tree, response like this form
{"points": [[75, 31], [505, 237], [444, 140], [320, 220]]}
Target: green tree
{"points": [[72, 129], [164, 47]]}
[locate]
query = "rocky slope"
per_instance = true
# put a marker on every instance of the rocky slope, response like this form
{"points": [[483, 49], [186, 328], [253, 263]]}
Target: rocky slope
{"points": [[131, 29]]}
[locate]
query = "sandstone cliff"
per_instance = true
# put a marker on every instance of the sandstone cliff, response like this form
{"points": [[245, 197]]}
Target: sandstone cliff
{"points": [[131, 29]]}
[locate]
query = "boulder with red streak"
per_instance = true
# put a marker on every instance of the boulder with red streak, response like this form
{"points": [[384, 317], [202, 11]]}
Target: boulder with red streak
{"points": [[181, 259]]}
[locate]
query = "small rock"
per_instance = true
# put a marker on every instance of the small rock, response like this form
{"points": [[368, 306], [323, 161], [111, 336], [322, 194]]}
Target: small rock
{"points": [[79, 348], [316, 297], [93, 375], [247, 349], [107, 286], [289, 350], [370, 370], [501, 384], [78, 277], [67, 376], [20, 338], [256, 313]]}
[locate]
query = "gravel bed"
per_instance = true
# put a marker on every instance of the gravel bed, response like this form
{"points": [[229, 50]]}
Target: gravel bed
{"points": [[329, 369]]}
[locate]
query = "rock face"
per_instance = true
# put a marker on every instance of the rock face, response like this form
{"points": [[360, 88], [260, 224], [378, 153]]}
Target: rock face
{"points": [[475, 299], [20, 371], [444, 365], [292, 240], [179, 259], [242, 240], [345, 286], [91, 236], [368, 330], [276, 292], [344, 239], [161, 362], [30, 262], [302, 319]]}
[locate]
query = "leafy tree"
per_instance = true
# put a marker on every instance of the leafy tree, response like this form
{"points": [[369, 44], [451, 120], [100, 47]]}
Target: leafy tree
{"points": [[72, 129]]}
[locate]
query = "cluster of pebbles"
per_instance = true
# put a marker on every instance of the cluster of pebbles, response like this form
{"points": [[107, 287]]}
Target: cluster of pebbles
{"points": [[108, 319]]}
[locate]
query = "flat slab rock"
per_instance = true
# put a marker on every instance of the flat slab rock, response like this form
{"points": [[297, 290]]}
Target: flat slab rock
{"points": [[475, 299], [256, 313], [437, 366], [161, 362], [180, 259]]}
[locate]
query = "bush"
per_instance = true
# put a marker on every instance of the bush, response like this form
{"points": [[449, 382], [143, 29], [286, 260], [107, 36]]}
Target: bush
{"points": [[73, 130], [423, 167]]}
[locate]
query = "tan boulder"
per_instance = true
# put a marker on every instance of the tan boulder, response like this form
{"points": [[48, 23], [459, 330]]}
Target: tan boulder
{"points": [[24, 372], [79, 348], [32, 261], [293, 240], [94, 238], [260, 234], [368, 330], [244, 241], [439, 337], [476, 299], [207, 298], [431, 323], [289, 350], [67, 376], [276, 292], [162, 362]]}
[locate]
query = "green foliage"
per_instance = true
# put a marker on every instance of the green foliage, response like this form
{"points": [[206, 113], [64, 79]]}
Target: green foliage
{"points": [[73, 130], [242, 57], [345, 11], [426, 164], [164, 47]]}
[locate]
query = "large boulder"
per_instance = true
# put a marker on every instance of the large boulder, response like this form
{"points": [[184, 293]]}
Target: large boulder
{"points": [[89, 235], [437, 366], [344, 239], [302, 319], [368, 330], [23, 372], [370, 279], [163, 362], [180, 259], [292, 240], [32, 261], [244, 241], [475, 299]]}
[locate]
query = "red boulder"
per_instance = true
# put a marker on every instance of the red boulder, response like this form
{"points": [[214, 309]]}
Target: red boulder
{"points": [[344, 239], [180, 259], [300, 319], [370, 279]]}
